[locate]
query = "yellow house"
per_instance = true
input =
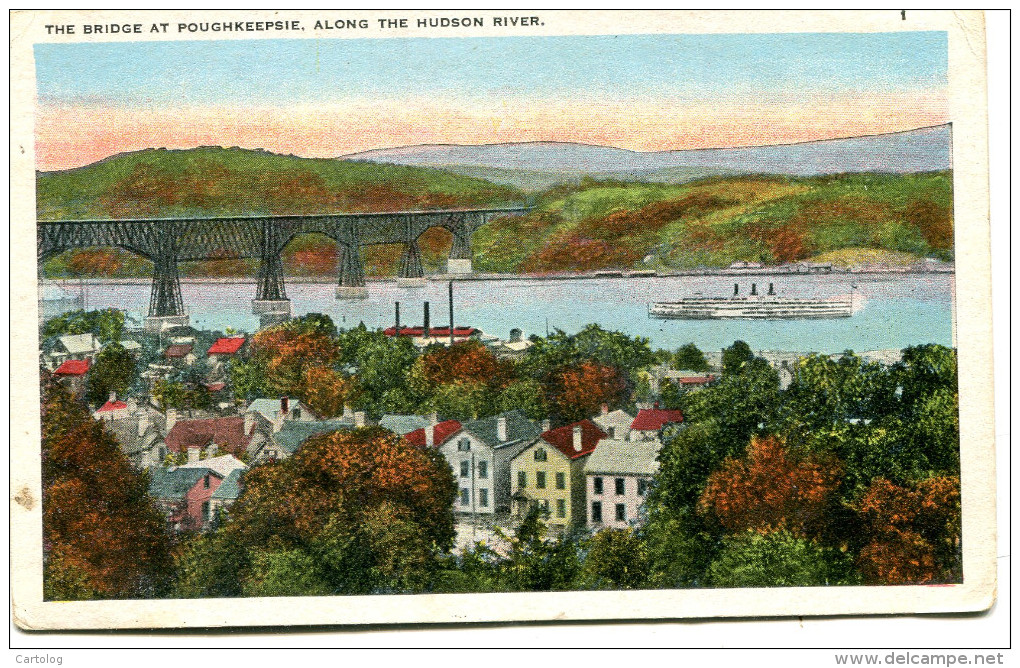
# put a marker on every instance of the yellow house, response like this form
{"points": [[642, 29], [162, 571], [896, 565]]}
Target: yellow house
{"points": [[550, 473]]}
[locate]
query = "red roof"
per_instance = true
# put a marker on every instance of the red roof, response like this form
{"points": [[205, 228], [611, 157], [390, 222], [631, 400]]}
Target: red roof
{"points": [[444, 430], [695, 380], [652, 419], [226, 346], [433, 331], [112, 406], [179, 350], [562, 438], [215, 387], [73, 368], [226, 432]]}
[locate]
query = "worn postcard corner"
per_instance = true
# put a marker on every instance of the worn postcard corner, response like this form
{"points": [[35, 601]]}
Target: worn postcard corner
{"points": [[470, 316]]}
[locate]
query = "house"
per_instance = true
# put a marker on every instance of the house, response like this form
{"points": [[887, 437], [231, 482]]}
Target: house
{"points": [[550, 473], [292, 435], [650, 421], [72, 374], [433, 435], [616, 424], [181, 354], [185, 495], [224, 464], [139, 430], [273, 413], [234, 435], [227, 492], [132, 347], [618, 476], [479, 454], [403, 424], [223, 349], [75, 347]]}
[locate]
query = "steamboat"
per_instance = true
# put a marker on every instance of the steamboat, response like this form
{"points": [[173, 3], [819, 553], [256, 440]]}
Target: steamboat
{"points": [[754, 306]]}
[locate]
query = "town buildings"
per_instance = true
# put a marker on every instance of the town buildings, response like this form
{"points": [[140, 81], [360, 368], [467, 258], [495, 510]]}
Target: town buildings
{"points": [[618, 476]]}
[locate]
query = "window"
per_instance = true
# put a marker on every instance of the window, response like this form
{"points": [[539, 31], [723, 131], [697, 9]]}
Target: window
{"points": [[561, 507], [541, 455], [296, 413], [619, 487], [596, 511], [464, 444], [483, 498], [465, 496], [561, 480], [540, 479], [483, 469], [465, 468], [597, 484], [205, 481], [544, 505], [522, 479], [621, 512], [642, 487]]}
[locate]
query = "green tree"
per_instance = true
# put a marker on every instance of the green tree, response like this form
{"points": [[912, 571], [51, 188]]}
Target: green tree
{"points": [[680, 546], [382, 365], [283, 573], [736, 357], [527, 395], [210, 565], [591, 344], [775, 560], [461, 401], [614, 559], [689, 357], [248, 378], [113, 371], [535, 563], [106, 324]]}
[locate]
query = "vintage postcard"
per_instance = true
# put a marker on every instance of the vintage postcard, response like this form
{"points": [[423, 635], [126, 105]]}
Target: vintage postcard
{"points": [[470, 316]]}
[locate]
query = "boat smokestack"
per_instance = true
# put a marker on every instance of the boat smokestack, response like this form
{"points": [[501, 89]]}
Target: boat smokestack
{"points": [[426, 317], [754, 289], [736, 289], [772, 289], [450, 287], [397, 318]]}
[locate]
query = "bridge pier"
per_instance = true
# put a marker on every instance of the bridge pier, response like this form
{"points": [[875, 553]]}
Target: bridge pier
{"points": [[352, 272], [271, 293], [411, 273], [166, 307], [459, 261]]}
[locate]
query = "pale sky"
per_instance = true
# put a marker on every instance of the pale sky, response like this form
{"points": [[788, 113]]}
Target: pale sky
{"points": [[326, 98]]}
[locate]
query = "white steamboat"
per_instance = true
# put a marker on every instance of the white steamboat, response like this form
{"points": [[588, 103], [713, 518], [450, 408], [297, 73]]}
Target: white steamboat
{"points": [[755, 306]]}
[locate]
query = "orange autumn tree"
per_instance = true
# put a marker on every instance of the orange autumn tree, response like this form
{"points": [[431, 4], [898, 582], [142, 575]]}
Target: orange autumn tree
{"points": [[102, 535], [363, 510], [287, 352], [466, 362], [915, 532], [772, 489], [327, 391], [578, 391]]}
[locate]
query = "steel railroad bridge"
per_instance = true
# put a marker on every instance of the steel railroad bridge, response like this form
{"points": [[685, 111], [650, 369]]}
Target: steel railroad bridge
{"points": [[168, 241]]}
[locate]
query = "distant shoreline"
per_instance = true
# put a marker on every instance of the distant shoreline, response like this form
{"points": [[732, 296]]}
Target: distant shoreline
{"points": [[602, 274]]}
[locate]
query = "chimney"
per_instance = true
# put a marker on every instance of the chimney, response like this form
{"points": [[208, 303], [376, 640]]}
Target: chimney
{"points": [[430, 435], [193, 455], [578, 446], [113, 397], [284, 405], [348, 414], [396, 318], [605, 409], [656, 405], [171, 419], [546, 425], [249, 423], [433, 418], [132, 405], [501, 429], [451, 312], [426, 317], [359, 418]]}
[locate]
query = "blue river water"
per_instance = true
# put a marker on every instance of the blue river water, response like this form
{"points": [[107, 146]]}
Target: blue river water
{"points": [[895, 310]]}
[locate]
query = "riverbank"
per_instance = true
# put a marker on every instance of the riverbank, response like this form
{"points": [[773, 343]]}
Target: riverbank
{"points": [[556, 276]]}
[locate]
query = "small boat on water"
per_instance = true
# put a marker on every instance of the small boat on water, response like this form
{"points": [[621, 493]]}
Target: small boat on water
{"points": [[754, 307]]}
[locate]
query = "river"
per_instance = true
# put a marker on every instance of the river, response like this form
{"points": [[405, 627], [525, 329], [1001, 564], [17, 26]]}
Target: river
{"points": [[898, 309]]}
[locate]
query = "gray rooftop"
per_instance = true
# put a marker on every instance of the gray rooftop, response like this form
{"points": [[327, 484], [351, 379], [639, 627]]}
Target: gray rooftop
{"points": [[294, 433], [79, 343], [619, 457], [518, 428], [402, 424], [175, 483], [230, 488]]}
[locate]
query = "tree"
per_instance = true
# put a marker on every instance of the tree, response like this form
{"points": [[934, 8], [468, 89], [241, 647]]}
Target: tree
{"points": [[467, 362], [210, 565], [780, 559], [361, 507], [591, 344], [113, 371], [327, 391], [382, 365], [689, 357], [614, 559], [287, 351], [106, 324], [102, 535], [534, 563], [248, 378], [772, 489], [579, 391], [736, 357], [462, 400], [527, 395]]}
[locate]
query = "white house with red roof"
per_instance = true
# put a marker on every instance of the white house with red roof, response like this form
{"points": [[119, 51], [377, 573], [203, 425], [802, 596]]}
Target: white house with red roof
{"points": [[115, 409], [226, 348], [650, 421], [433, 435], [549, 473], [72, 373]]}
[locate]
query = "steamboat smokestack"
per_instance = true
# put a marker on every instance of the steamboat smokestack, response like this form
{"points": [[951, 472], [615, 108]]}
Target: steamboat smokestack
{"points": [[426, 326], [451, 311]]}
